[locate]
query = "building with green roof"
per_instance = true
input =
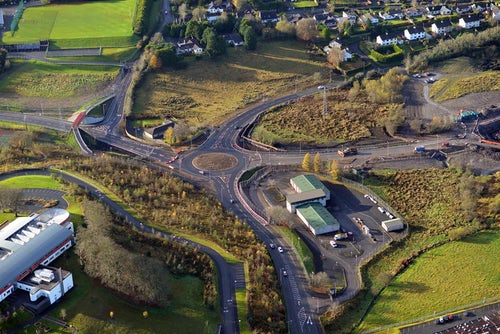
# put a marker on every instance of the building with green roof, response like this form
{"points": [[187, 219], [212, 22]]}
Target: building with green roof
{"points": [[298, 199], [308, 182], [318, 219]]}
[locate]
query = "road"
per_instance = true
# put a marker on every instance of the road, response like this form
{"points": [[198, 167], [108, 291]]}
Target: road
{"points": [[301, 311]]}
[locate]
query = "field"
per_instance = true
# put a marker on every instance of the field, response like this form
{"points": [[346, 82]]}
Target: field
{"points": [[91, 24], [36, 84], [304, 4], [456, 86], [456, 274], [208, 91], [31, 181]]}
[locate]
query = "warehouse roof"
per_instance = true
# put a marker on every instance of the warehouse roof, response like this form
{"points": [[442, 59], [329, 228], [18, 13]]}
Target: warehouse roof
{"points": [[308, 182], [305, 196], [317, 216]]}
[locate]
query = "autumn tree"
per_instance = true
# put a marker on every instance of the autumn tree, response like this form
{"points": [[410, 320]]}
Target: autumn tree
{"points": [[317, 164], [306, 29], [306, 163], [286, 28], [182, 10], [280, 215], [155, 62], [10, 199], [335, 56], [168, 136], [199, 13], [334, 169]]}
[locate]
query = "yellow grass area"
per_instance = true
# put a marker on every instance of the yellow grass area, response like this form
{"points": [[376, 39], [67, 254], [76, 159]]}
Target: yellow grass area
{"points": [[457, 86], [209, 90]]}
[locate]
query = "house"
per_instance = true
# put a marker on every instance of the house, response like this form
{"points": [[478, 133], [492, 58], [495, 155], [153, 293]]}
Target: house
{"points": [[212, 17], [335, 44], [189, 46], [233, 39], [331, 22], [441, 27], [317, 219], [213, 8], [294, 18], [370, 18], [444, 11], [320, 17], [413, 12], [388, 39], [386, 16], [158, 132], [350, 16], [495, 12], [414, 33], [268, 16], [463, 9], [480, 7], [433, 10], [469, 21]]}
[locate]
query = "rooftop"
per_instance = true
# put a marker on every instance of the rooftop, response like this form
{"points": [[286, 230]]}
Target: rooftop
{"points": [[308, 182], [317, 216]]}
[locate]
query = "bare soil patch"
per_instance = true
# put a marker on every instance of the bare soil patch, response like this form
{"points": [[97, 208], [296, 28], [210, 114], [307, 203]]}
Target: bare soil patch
{"points": [[215, 161]]}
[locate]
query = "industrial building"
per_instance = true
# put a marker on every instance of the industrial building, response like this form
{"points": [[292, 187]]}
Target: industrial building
{"points": [[393, 225], [27, 246], [309, 190], [317, 219], [309, 182]]}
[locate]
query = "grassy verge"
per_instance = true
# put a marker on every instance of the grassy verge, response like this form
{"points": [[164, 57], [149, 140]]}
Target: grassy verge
{"points": [[109, 54], [39, 79], [450, 270], [241, 300], [86, 22], [300, 247], [210, 91]]}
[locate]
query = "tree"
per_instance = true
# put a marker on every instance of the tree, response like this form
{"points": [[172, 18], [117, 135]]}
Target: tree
{"points": [[319, 280], [345, 28], [239, 4], [4, 62], [325, 34], [168, 55], [335, 56], [334, 169], [215, 45], [155, 62], [199, 13], [317, 164], [250, 38], [194, 29], [306, 163], [307, 30], [10, 199], [182, 11], [286, 28], [280, 216], [169, 137]]}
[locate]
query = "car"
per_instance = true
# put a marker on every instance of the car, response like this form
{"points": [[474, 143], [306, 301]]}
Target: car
{"points": [[382, 210], [232, 201], [285, 274], [321, 87], [445, 144], [418, 75], [272, 246], [166, 12], [333, 243], [468, 314], [280, 249], [202, 172]]}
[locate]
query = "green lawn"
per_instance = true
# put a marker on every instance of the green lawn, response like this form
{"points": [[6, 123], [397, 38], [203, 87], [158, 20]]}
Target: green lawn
{"points": [[450, 276], [93, 23], [30, 181], [304, 4], [39, 79]]}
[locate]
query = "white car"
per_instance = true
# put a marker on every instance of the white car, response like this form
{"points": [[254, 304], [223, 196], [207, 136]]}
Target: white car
{"points": [[321, 87], [333, 243], [280, 249], [381, 209], [285, 274]]}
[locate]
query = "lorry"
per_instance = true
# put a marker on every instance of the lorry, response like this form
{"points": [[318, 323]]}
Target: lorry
{"points": [[341, 236], [419, 149], [347, 151]]}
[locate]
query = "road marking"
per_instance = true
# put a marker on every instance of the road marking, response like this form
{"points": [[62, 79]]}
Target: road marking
{"points": [[302, 318]]}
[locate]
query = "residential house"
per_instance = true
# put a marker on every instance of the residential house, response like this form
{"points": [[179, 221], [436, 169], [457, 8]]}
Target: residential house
{"points": [[189, 46], [336, 44], [441, 27], [463, 9], [320, 17], [370, 18], [469, 21], [414, 33], [233, 39], [481, 7], [433, 10], [388, 39], [331, 22], [213, 8], [212, 17], [444, 11], [386, 16], [268, 16], [495, 12], [350, 16], [293, 18], [413, 12]]}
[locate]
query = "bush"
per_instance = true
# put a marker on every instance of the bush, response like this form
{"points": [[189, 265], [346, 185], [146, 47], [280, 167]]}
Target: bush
{"points": [[141, 17], [397, 55]]}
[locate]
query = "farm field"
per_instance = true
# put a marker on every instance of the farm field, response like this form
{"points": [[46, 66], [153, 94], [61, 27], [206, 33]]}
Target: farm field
{"points": [[208, 91], [34, 83], [93, 24], [456, 274]]}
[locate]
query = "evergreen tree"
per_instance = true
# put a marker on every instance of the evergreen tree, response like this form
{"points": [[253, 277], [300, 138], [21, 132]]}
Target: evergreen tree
{"points": [[306, 163], [317, 165]]}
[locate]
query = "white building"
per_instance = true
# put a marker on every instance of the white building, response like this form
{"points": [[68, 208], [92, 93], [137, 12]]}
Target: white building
{"points": [[414, 33], [470, 21], [30, 243], [393, 225], [441, 27], [388, 39]]}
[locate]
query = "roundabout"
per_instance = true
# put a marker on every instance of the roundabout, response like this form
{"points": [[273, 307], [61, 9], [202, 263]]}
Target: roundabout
{"points": [[215, 162]]}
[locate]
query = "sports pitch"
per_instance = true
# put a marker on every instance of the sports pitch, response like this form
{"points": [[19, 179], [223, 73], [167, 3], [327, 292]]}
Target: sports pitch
{"points": [[91, 23]]}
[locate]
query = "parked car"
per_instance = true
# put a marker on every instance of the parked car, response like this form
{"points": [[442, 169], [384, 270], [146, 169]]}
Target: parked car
{"points": [[272, 246], [285, 274], [381, 209], [280, 249], [333, 243]]}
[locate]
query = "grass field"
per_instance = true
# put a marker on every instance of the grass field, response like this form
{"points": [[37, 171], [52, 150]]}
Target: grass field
{"points": [[304, 4], [209, 90], [457, 86], [456, 274], [44, 80], [93, 24], [30, 181]]}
